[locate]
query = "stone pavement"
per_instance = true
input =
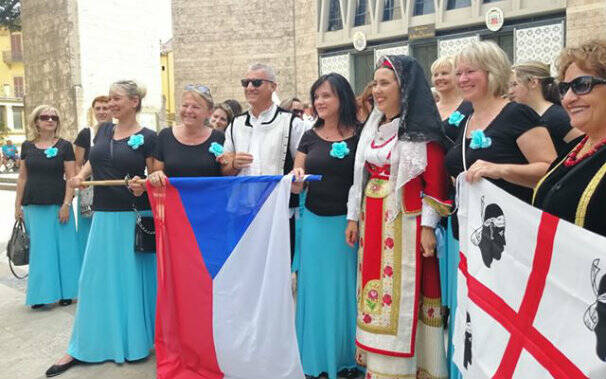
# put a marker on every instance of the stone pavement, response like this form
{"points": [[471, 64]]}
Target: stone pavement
{"points": [[31, 340]]}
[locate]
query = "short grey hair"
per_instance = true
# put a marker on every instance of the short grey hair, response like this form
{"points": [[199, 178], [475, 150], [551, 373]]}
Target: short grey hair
{"points": [[269, 71]]}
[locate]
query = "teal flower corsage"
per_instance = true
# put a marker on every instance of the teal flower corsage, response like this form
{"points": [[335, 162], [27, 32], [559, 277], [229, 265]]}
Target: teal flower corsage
{"points": [[339, 150], [51, 152], [216, 149], [455, 118], [479, 140], [136, 140]]}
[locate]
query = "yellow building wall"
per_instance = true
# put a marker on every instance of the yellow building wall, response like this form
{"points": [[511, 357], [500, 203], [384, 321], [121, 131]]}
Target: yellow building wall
{"points": [[8, 71], [168, 85], [10, 67]]}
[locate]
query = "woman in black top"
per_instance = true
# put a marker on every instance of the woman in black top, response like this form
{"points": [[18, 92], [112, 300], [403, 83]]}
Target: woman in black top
{"points": [[531, 84], [575, 187], [451, 106], [504, 141], [189, 149], [44, 201], [117, 295], [82, 145], [326, 265]]}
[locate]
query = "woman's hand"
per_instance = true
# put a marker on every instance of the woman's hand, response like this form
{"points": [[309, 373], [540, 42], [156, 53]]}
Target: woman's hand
{"points": [[64, 213], [428, 241], [136, 186], [482, 169], [297, 185], [351, 233], [157, 179], [76, 182], [225, 159], [18, 212]]}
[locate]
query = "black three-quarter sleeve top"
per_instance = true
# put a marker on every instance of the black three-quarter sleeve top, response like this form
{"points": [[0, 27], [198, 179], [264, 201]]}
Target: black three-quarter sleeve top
{"points": [[329, 196], [182, 160], [45, 183], [114, 159], [513, 121], [576, 193]]}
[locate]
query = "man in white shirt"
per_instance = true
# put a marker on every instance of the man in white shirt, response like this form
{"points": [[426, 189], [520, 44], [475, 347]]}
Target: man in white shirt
{"points": [[264, 139]]}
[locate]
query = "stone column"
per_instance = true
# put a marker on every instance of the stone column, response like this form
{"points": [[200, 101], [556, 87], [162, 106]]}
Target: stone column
{"points": [[74, 50]]}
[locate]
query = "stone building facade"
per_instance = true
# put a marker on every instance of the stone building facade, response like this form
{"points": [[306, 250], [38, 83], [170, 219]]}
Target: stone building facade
{"points": [[74, 50], [214, 43]]}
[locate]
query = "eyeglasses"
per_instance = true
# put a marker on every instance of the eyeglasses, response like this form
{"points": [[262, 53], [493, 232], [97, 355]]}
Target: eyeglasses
{"points": [[46, 117], [255, 82], [199, 89], [581, 85]]}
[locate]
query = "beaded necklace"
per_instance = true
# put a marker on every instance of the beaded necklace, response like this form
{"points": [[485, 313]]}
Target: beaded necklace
{"points": [[572, 159]]}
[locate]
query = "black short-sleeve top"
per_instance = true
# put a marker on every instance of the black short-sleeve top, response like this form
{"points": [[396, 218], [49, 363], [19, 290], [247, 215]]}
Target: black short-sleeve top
{"points": [[557, 122], [188, 160], [114, 159], [455, 123], [329, 196], [83, 141], [513, 121], [45, 183]]}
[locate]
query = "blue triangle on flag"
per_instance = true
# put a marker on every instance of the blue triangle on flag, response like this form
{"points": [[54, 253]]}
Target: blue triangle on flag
{"points": [[220, 209]]}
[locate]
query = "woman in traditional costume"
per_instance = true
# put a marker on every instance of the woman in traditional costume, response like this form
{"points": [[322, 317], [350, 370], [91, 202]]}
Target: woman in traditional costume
{"points": [[398, 196]]}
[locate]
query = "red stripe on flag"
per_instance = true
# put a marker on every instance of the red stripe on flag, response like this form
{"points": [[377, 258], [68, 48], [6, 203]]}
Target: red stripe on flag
{"points": [[184, 341], [520, 325]]}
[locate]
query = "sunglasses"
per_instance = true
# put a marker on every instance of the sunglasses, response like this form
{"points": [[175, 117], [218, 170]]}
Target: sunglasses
{"points": [[255, 82], [580, 86], [45, 117], [200, 89]]}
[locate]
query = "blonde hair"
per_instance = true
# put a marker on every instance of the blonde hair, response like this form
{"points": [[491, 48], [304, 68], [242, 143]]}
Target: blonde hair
{"points": [[590, 56], [488, 56], [132, 90], [33, 117], [528, 71], [200, 98], [445, 61]]}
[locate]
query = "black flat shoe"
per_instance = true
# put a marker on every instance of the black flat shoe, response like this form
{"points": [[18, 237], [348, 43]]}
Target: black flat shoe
{"points": [[65, 302], [55, 370], [36, 306]]}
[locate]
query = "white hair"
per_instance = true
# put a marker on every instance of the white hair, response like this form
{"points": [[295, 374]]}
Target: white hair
{"points": [[269, 71]]}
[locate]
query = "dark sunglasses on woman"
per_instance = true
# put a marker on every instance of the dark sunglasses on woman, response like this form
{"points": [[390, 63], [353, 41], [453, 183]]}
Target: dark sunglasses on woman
{"points": [[581, 85], [255, 82], [45, 117]]}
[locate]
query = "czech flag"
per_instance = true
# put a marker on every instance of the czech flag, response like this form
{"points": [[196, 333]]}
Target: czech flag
{"points": [[225, 308]]}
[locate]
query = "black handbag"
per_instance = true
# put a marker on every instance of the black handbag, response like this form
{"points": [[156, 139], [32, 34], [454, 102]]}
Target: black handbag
{"points": [[17, 249], [145, 234]]}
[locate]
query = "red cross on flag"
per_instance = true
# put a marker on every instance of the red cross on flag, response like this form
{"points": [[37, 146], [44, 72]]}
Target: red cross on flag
{"points": [[531, 291]]}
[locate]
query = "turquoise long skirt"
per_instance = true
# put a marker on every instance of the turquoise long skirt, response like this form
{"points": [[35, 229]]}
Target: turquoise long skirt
{"points": [[117, 298], [54, 261], [83, 229], [326, 302], [448, 255]]}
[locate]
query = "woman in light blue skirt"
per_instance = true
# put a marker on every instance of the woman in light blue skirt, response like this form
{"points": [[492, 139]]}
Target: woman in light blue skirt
{"points": [[118, 284], [117, 294], [44, 201], [325, 263], [84, 141]]}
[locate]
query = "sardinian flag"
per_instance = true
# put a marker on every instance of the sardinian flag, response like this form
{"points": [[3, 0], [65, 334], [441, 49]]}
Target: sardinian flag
{"points": [[531, 291], [225, 308]]}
